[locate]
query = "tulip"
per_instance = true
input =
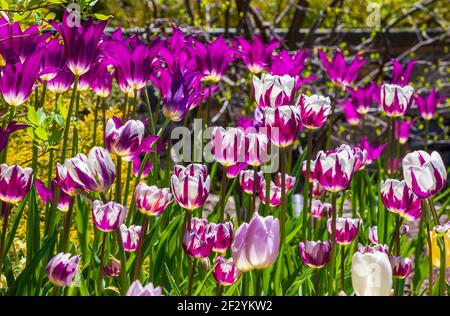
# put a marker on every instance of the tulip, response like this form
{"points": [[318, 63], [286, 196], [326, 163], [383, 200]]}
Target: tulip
{"points": [[62, 268], [130, 237], [289, 181], [62, 81], [112, 268], [225, 272], [404, 229], [428, 104], [373, 234], [312, 176], [399, 199], [315, 254], [371, 153], [108, 217], [223, 236], [136, 289], [361, 97], [101, 83], [198, 241], [400, 74], [15, 183], [424, 174], [283, 124], [52, 60], [273, 91], [320, 209], [337, 69], [376, 248], [371, 274], [346, 229], [150, 200], [47, 194], [65, 181], [351, 116], [256, 244], [95, 173], [435, 234], [256, 148], [401, 267], [274, 193], [190, 185], [235, 170], [255, 54], [317, 189], [405, 127], [314, 110], [396, 100], [228, 145], [6, 132], [246, 178], [177, 50]]}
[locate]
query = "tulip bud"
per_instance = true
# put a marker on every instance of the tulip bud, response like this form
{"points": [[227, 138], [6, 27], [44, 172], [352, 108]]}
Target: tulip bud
{"points": [[190, 186], [225, 272], [404, 229], [130, 237], [150, 200], [373, 234], [314, 110], [401, 267], [435, 251], [256, 148], [61, 269], [315, 254], [108, 217], [198, 241], [228, 145], [112, 268], [246, 178], [275, 193], [368, 249], [320, 209], [136, 289], [289, 181], [346, 229], [15, 183], [65, 181], [223, 236]]}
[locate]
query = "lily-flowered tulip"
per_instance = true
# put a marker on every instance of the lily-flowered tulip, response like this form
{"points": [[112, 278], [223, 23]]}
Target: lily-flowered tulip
{"points": [[351, 116], [5, 133], [371, 153], [108, 217], [235, 170], [95, 173], [48, 194], [289, 181], [424, 174], [405, 127], [274, 193], [246, 178], [427, 104], [198, 241], [228, 145], [401, 267], [373, 234], [101, 83], [399, 199], [52, 60], [151, 200], [283, 124], [314, 110], [371, 274], [15, 183], [190, 185], [361, 97], [256, 148], [130, 237], [346, 229], [62, 268], [255, 54], [315, 254], [127, 140], [225, 272], [320, 209], [396, 100], [62, 81], [256, 244], [223, 236], [273, 91], [337, 69], [400, 74], [136, 289], [334, 168]]}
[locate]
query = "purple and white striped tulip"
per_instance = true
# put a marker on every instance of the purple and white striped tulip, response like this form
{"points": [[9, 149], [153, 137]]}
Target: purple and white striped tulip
{"points": [[401, 267], [289, 181], [320, 209], [256, 148], [228, 145], [314, 110], [317, 189], [108, 217], [373, 234], [190, 185], [62, 268], [136, 289], [274, 194], [371, 249], [130, 237], [246, 178], [235, 170], [15, 183], [198, 241], [283, 124], [225, 272], [223, 236], [424, 174], [151, 200], [48, 194], [396, 100], [315, 254], [346, 229], [273, 91], [399, 199], [65, 181], [112, 268]]}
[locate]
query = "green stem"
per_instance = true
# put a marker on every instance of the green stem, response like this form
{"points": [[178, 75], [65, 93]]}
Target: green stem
{"points": [[3, 237], [68, 118], [222, 195], [191, 268], [442, 278], [100, 266], [253, 201], [306, 187], [342, 268], [333, 242], [123, 264], [430, 261], [283, 194], [118, 191], [67, 221], [140, 250], [94, 136], [427, 134]]}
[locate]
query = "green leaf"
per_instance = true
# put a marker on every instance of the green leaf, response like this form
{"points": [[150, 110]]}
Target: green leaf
{"points": [[102, 17], [33, 116], [172, 281], [41, 133]]}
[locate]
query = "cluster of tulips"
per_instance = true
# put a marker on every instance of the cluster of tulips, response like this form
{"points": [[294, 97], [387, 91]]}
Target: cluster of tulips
{"points": [[153, 218]]}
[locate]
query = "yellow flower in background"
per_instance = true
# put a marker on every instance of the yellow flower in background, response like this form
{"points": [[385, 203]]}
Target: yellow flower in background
{"points": [[435, 252]]}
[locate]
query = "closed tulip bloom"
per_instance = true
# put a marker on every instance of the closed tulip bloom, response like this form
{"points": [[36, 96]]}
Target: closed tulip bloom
{"points": [[339, 72], [101, 82], [315, 254], [151, 200], [335, 168], [112, 268], [424, 174], [317, 189], [190, 185], [255, 54], [283, 124], [289, 181], [399, 199], [235, 170], [373, 234], [48, 194], [401, 267], [15, 183], [65, 181], [223, 236], [371, 274], [274, 193], [346, 229], [427, 104], [62, 81], [256, 244], [405, 127], [396, 100], [312, 175], [136, 289], [130, 237], [52, 60], [228, 145], [320, 209], [273, 91], [108, 217], [246, 178], [62, 268], [95, 173], [198, 241], [443, 232], [404, 229], [256, 148], [314, 110], [225, 272]]}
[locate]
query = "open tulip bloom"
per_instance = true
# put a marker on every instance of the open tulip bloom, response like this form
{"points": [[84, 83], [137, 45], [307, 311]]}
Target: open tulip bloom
{"points": [[338, 70]]}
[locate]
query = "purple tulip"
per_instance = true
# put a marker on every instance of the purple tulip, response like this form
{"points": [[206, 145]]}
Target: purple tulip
{"points": [[320, 209], [190, 185], [112, 268], [400, 74], [337, 69], [65, 181], [256, 244], [246, 178], [315, 254], [225, 271], [228, 145], [428, 104], [401, 267], [274, 193], [62, 268], [136, 289], [405, 126], [130, 237], [372, 249], [396, 100], [424, 174], [314, 110], [351, 116], [198, 241], [95, 173], [371, 153], [234, 170], [101, 82], [399, 199], [373, 234], [283, 124], [62, 81], [150, 200], [108, 217], [346, 229], [256, 148], [5, 133], [48, 194], [81, 44], [273, 91], [256, 54], [52, 60], [15, 183], [223, 236], [289, 181], [361, 97], [404, 229], [312, 175], [178, 50], [317, 189]]}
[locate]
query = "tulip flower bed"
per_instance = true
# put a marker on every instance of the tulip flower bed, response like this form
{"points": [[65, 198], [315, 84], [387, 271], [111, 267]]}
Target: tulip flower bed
{"points": [[153, 195]]}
